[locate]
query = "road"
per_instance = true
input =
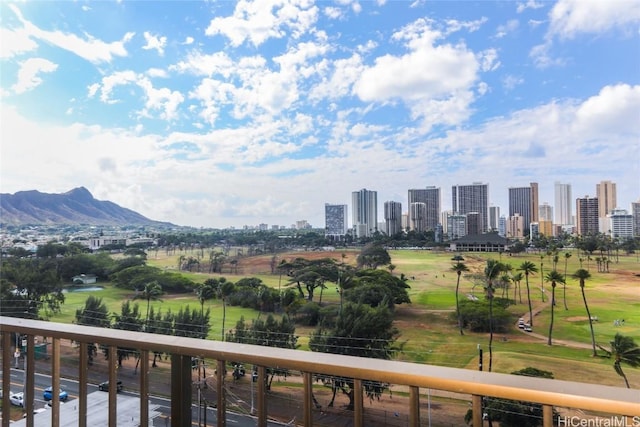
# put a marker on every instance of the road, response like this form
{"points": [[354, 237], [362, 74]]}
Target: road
{"points": [[128, 406]]}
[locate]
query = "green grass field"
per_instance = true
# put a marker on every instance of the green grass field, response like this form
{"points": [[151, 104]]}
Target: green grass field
{"points": [[429, 333]]}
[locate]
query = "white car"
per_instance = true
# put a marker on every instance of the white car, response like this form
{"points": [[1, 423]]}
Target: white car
{"points": [[17, 399]]}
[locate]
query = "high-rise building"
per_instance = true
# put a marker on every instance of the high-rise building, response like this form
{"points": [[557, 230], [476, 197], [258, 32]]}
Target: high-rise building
{"points": [[515, 226], [502, 226], [393, 218], [564, 202], [621, 224], [534, 202], [365, 212], [635, 213], [545, 212], [607, 197], [430, 196], [456, 226], [418, 215], [472, 198], [335, 221], [521, 203], [587, 216], [494, 217]]}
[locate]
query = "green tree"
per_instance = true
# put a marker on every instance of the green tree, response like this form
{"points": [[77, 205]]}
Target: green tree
{"points": [[459, 268], [362, 331], [151, 291], [268, 333], [31, 288], [129, 319], [567, 255], [373, 255], [528, 268], [94, 313], [582, 275], [517, 289], [554, 277], [223, 289], [492, 270], [376, 287], [204, 291], [623, 350]]}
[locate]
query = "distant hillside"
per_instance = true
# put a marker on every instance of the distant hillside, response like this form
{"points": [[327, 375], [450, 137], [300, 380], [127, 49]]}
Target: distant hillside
{"points": [[77, 206]]}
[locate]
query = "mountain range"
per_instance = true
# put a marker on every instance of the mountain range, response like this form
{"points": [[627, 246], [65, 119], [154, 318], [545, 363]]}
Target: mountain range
{"points": [[77, 206]]}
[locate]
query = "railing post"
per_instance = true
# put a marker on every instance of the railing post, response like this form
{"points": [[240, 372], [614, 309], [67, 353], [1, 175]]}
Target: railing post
{"points": [[55, 382], [307, 404], [180, 390], [30, 368], [262, 396], [547, 416], [414, 406], [476, 407], [144, 387], [221, 411], [113, 384], [83, 369], [358, 419], [6, 377]]}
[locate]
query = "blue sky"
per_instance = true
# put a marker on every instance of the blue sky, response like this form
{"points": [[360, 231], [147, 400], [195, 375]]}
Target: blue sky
{"points": [[222, 114]]}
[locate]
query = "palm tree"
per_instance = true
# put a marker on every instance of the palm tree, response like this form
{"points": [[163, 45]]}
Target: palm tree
{"points": [[542, 276], [567, 255], [554, 277], [459, 267], [624, 350], [205, 291], [582, 275], [492, 270], [527, 267], [517, 278], [152, 291]]}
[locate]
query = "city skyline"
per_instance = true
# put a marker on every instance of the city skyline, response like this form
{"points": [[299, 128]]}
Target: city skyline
{"points": [[225, 114]]}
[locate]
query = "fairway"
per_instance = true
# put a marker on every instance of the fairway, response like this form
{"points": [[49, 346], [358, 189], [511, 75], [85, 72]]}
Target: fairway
{"points": [[427, 325]]}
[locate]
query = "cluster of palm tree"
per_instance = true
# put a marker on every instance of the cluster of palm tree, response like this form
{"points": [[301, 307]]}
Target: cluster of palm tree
{"points": [[622, 349]]}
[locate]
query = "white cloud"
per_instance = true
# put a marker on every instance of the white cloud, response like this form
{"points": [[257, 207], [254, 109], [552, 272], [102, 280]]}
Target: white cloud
{"points": [[332, 12], [28, 76], [510, 82], [89, 48], [530, 4], [110, 160], [508, 28], [542, 57], [164, 100], [154, 42], [187, 41], [615, 109], [157, 72], [205, 65], [427, 77], [489, 60], [265, 19], [569, 18], [118, 78], [15, 42]]}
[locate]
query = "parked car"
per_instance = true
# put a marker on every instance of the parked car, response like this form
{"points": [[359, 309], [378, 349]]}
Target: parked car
{"points": [[527, 328], [17, 399], [47, 394], [104, 386]]}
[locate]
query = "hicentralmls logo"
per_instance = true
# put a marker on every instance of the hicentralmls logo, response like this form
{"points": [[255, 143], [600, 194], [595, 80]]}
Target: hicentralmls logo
{"points": [[620, 421]]}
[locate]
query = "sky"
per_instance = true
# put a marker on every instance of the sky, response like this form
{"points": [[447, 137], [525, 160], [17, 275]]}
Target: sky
{"points": [[224, 114]]}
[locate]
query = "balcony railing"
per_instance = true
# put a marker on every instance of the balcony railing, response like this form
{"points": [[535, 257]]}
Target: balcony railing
{"points": [[614, 401]]}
